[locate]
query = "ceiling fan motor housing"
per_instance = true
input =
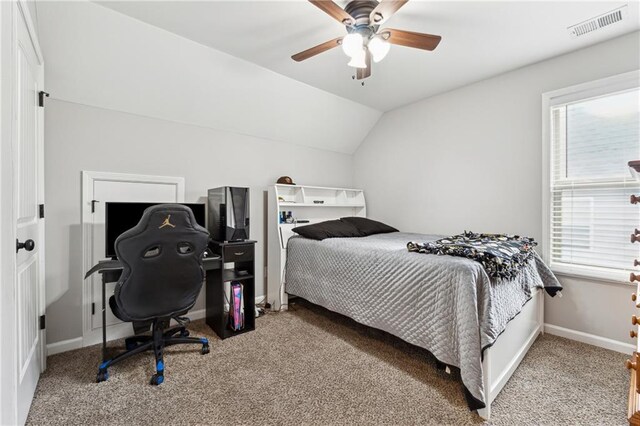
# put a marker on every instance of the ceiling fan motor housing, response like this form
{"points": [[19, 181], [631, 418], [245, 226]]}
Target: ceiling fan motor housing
{"points": [[361, 10]]}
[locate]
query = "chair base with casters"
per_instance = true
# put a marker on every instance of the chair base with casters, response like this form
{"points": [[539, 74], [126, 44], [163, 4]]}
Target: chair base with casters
{"points": [[161, 336]]}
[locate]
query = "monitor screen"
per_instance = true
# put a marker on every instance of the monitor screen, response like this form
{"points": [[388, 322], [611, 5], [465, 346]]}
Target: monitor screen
{"points": [[120, 217]]}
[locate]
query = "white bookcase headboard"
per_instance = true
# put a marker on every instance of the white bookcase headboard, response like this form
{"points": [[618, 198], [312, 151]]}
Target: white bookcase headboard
{"points": [[306, 203]]}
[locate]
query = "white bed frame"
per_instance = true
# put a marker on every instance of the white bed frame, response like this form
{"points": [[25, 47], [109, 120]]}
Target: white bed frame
{"points": [[500, 360]]}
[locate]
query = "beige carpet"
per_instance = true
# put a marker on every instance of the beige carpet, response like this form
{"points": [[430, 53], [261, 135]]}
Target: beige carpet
{"points": [[310, 366]]}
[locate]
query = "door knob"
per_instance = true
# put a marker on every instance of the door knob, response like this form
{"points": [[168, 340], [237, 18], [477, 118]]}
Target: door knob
{"points": [[633, 334], [630, 364], [635, 236], [633, 277], [634, 320], [636, 262], [27, 245], [633, 297], [634, 199]]}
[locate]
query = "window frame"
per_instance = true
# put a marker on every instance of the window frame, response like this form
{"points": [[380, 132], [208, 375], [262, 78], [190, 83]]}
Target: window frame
{"points": [[602, 87]]}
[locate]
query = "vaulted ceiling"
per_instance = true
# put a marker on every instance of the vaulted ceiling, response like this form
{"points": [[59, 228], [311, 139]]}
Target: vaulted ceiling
{"points": [[479, 39]]}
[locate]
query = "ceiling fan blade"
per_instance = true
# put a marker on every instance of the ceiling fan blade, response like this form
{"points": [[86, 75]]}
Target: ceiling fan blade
{"points": [[411, 39], [315, 50], [362, 73], [384, 10], [333, 10]]}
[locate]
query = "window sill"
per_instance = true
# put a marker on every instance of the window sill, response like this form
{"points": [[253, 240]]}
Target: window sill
{"points": [[593, 274]]}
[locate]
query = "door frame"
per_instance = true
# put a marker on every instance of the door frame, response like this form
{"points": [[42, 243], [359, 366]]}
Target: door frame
{"points": [[89, 178], [10, 12]]}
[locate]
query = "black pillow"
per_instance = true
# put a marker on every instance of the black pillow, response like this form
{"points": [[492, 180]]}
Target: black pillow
{"points": [[368, 226], [329, 229]]}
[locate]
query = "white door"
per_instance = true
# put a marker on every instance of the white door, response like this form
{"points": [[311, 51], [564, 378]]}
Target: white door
{"points": [[100, 189], [28, 193]]}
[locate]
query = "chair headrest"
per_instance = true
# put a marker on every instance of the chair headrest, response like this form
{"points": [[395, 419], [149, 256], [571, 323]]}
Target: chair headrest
{"points": [[162, 263], [164, 218]]}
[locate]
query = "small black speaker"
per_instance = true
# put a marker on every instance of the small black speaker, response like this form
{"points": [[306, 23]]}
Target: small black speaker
{"points": [[229, 213]]}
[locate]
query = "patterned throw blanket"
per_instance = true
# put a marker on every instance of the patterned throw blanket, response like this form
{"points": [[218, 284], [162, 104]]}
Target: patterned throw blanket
{"points": [[502, 256]]}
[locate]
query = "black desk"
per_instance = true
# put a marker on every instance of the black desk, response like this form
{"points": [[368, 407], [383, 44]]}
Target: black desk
{"points": [[111, 271]]}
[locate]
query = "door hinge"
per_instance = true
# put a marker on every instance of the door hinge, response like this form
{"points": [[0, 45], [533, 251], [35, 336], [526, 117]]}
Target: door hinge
{"points": [[42, 322], [93, 309], [93, 205], [41, 97], [41, 211]]}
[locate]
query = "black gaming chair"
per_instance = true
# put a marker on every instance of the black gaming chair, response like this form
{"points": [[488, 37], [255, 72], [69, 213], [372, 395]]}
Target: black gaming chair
{"points": [[161, 278]]}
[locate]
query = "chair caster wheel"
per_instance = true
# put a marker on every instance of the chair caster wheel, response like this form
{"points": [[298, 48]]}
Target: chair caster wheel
{"points": [[205, 349], [102, 376], [157, 379], [184, 333]]}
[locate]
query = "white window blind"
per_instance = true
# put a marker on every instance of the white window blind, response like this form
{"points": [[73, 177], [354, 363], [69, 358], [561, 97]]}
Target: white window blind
{"points": [[590, 218]]}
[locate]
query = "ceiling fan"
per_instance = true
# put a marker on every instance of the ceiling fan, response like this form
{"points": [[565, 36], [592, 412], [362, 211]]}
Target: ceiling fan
{"points": [[365, 40]]}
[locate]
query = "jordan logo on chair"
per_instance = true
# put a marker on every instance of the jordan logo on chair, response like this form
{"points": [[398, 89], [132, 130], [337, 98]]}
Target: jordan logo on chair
{"points": [[167, 223]]}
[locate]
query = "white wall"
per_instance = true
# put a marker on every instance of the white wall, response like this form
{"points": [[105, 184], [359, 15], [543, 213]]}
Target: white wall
{"points": [[96, 56], [467, 159], [31, 6], [88, 138], [128, 97], [470, 159]]}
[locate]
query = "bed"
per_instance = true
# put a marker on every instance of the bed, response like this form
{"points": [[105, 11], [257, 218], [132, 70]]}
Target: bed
{"points": [[447, 305]]}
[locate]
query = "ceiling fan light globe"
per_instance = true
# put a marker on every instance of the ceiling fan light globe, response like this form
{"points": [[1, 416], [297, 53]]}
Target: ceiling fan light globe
{"points": [[358, 59], [378, 48], [352, 43]]}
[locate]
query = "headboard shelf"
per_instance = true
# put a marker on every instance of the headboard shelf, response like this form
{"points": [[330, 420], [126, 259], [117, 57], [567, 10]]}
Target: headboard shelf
{"points": [[312, 196], [332, 203], [289, 204], [284, 185]]}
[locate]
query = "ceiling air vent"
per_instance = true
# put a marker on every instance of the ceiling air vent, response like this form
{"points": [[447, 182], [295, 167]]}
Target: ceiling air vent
{"points": [[598, 22]]}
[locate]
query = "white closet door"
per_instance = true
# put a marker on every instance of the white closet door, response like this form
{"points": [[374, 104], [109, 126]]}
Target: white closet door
{"points": [[27, 178], [112, 187]]}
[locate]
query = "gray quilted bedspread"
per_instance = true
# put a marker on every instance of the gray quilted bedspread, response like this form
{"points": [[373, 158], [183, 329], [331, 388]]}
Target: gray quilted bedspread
{"points": [[447, 305]]}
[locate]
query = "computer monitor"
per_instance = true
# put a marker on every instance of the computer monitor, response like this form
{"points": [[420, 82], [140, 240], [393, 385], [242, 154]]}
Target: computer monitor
{"points": [[120, 217]]}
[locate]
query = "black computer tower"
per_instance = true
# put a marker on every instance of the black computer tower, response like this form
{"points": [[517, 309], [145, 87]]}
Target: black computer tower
{"points": [[229, 213]]}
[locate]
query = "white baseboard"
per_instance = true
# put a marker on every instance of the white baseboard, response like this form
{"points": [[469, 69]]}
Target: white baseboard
{"points": [[64, 346], [114, 332], [196, 315], [118, 332], [591, 339]]}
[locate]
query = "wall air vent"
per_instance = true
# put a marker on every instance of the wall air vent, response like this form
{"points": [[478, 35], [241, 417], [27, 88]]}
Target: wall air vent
{"points": [[598, 22]]}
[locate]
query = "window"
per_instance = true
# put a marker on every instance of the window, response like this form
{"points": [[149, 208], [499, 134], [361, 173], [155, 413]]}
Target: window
{"points": [[592, 131]]}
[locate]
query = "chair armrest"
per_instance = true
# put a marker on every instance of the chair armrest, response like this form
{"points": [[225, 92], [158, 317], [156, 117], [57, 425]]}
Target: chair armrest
{"points": [[103, 266]]}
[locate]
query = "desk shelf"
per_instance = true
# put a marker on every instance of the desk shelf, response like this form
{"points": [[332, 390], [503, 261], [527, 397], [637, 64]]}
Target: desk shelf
{"points": [[232, 275], [242, 255]]}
